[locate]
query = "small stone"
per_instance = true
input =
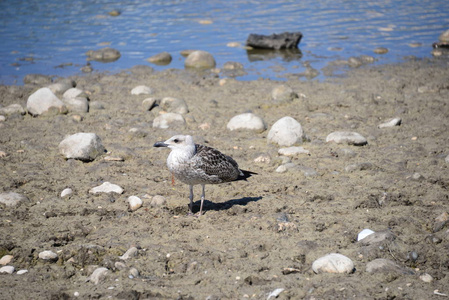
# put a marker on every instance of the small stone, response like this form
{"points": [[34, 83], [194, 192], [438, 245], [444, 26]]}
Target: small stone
{"points": [[233, 44], [114, 158], [163, 58], [78, 104], [187, 52], [417, 177], [391, 123], [446, 159], [377, 237], [48, 255], [333, 263], [62, 86], [381, 50], [232, 65], [426, 278], [44, 101], [292, 151], [247, 121], [141, 90], [149, 103], [174, 105], [444, 37], [364, 233], [98, 275], [286, 132], [6, 259], [82, 146], [2, 118], [133, 272], [104, 55], [106, 187], [281, 169], [382, 265], [12, 199], [114, 13], [200, 60], [37, 79], [275, 293], [73, 93], [119, 265], [131, 252], [66, 192], [263, 158], [354, 62], [21, 272], [12, 109], [158, 201], [441, 221], [344, 137], [7, 269], [359, 167], [167, 120], [134, 203], [283, 93]]}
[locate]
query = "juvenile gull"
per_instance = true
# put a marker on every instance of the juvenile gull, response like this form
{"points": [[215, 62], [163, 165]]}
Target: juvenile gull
{"points": [[197, 164]]}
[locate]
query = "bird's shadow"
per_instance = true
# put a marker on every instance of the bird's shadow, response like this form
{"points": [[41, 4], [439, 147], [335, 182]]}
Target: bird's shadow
{"points": [[209, 205]]}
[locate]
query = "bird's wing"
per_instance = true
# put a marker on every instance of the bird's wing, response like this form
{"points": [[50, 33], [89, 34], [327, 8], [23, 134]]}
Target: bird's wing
{"points": [[215, 164]]}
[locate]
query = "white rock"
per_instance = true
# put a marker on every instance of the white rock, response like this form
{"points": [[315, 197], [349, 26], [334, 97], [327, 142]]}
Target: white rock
{"points": [[247, 121], [98, 275], [275, 293], [73, 93], [344, 137], [134, 202], [158, 201], [82, 146], [12, 109], [291, 151], [6, 259], [281, 169], [2, 118], [78, 104], [106, 187], [174, 105], [133, 273], [7, 269], [364, 233], [200, 60], [66, 192], [286, 132], [149, 103], [391, 123], [21, 272], [167, 120], [131, 252], [333, 263], [44, 100], [426, 278], [141, 90], [48, 255], [12, 199]]}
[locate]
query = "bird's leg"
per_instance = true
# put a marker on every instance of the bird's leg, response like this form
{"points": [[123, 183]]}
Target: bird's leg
{"points": [[202, 199], [191, 199]]}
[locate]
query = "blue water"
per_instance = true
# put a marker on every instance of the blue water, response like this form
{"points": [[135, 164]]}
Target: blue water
{"points": [[51, 37]]}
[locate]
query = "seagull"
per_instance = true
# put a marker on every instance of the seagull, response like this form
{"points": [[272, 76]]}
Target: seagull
{"points": [[195, 164]]}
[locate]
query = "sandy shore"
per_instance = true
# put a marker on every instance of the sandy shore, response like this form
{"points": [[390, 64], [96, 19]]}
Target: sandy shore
{"points": [[256, 236]]}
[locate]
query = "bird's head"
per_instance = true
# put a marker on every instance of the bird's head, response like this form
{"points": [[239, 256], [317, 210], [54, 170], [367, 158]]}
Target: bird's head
{"points": [[177, 142]]}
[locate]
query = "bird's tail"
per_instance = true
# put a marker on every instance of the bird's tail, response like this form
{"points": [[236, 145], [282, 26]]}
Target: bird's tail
{"points": [[245, 174]]}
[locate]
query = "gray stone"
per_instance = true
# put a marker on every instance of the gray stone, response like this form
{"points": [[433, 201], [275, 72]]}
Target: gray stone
{"points": [[247, 121], [354, 62], [62, 86], [292, 151], [285, 40], [283, 93], [37, 79], [12, 109], [200, 60], [12, 199], [286, 132], [382, 265], [82, 146], [141, 90], [131, 252], [78, 104], [73, 93], [167, 120], [98, 275], [444, 37], [106, 187], [344, 137], [333, 263], [174, 105], [44, 101], [48, 255], [232, 65], [158, 201], [359, 167], [149, 103], [163, 58], [104, 55]]}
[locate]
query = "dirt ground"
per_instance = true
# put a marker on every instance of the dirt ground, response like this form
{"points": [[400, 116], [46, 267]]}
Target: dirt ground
{"points": [[255, 236]]}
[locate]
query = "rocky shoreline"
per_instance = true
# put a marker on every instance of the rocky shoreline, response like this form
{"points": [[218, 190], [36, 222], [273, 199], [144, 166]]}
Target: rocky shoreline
{"points": [[350, 200]]}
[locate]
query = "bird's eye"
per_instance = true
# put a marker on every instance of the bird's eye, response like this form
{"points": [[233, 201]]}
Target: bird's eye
{"points": [[176, 140]]}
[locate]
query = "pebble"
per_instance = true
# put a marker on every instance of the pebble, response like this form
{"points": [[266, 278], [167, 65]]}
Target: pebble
{"points": [[275, 293], [359, 167], [440, 221], [232, 65], [119, 265], [6, 259], [163, 58], [158, 201], [174, 105], [149, 103], [391, 123], [106, 187], [247, 121], [141, 90], [98, 275], [7, 269], [200, 60], [48, 255], [167, 120], [12, 109], [333, 263], [82, 146], [292, 151], [444, 36], [12, 199], [263, 158], [426, 278], [66, 192], [286, 132], [104, 55], [187, 52], [377, 237], [131, 252], [344, 137], [281, 169], [381, 50], [44, 101], [382, 265], [134, 202], [97, 105], [233, 44], [364, 233], [2, 118], [133, 273], [78, 104], [21, 272], [283, 93]]}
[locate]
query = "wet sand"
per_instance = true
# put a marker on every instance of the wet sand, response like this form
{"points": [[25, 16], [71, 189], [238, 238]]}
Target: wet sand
{"points": [[255, 236]]}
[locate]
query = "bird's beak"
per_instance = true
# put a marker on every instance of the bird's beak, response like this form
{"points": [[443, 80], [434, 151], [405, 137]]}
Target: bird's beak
{"points": [[160, 144]]}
